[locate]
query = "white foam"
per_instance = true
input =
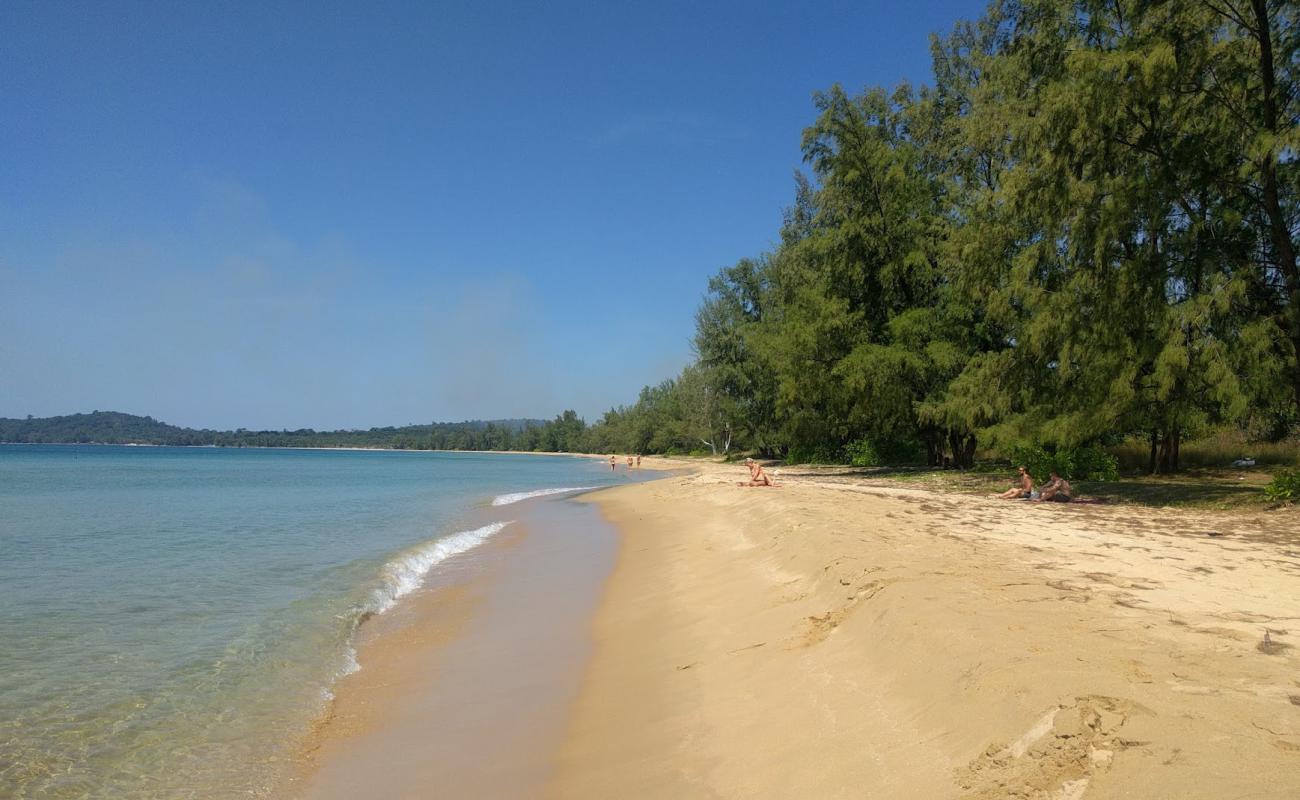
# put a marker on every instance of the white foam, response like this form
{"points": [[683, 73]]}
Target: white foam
{"points": [[515, 497], [407, 572], [401, 576]]}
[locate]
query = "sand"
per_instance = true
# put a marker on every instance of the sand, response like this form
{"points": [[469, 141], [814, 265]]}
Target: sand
{"points": [[465, 686], [828, 640]]}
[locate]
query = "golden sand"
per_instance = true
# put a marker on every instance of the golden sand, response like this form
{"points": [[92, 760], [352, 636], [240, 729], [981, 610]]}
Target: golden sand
{"points": [[824, 640]]}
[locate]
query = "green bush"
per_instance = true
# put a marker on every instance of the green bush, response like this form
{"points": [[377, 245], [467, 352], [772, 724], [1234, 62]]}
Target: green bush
{"points": [[867, 452], [821, 454], [863, 453], [1285, 486], [1090, 463], [1093, 463]]}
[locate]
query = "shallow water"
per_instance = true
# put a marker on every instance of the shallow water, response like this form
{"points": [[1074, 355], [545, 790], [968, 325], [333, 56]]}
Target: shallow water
{"points": [[173, 618]]}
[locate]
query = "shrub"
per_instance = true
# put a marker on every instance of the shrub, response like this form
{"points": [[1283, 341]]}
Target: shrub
{"points": [[1285, 486], [1038, 461], [1090, 463], [821, 454], [1093, 463], [866, 452], [863, 453]]}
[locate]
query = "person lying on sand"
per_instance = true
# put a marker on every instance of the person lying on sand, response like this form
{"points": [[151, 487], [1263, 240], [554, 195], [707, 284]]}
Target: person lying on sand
{"points": [[1023, 487], [756, 475], [1056, 490]]}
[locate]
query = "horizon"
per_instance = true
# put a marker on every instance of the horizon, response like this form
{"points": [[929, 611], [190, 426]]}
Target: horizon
{"points": [[485, 421], [419, 213]]}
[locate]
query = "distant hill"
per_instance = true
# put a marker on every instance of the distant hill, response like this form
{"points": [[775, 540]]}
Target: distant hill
{"points": [[113, 427]]}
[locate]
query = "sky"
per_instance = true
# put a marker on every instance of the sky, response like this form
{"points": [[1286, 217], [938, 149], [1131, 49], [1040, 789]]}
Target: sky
{"points": [[282, 215]]}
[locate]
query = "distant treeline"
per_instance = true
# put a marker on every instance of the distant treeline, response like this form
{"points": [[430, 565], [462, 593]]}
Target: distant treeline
{"points": [[109, 427], [1084, 232]]}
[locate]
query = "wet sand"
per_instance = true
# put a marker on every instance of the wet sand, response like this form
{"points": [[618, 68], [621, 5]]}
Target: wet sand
{"points": [[833, 640], [466, 685]]}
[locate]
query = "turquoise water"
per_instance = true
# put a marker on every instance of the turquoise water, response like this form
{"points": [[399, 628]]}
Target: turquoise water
{"points": [[172, 618]]}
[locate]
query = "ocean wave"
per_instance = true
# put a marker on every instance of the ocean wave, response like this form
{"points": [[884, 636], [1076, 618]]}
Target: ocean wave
{"points": [[399, 577], [407, 572], [515, 497]]}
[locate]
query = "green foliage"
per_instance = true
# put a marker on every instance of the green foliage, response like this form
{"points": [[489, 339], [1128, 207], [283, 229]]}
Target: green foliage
{"points": [[1042, 246], [867, 452], [822, 454], [1093, 463], [1090, 463], [1285, 487], [862, 453]]}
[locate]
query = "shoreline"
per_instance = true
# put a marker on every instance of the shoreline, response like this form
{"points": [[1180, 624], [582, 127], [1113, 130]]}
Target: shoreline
{"points": [[834, 640], [839, 639], [466, 683]]}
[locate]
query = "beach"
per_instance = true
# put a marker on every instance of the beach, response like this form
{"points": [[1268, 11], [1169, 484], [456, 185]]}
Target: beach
{"points": [[465, 687], [846, 640], [834, 637]]}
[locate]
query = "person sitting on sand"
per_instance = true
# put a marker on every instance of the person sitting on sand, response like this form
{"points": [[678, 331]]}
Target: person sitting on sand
{"points": [[1023, 487], [756, 475], [1056, 490]]}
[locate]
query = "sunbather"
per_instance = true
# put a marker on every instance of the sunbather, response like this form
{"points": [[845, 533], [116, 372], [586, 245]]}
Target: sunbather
{"points": [[1056, 490], [1022, 488], [756, 475]]}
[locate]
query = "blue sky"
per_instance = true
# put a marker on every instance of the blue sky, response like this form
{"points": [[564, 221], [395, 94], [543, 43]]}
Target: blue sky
{"points": [[344, 215]]}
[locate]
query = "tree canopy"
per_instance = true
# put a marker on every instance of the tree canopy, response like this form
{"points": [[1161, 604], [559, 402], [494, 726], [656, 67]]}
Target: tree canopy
{"points": [[1084, 230]]}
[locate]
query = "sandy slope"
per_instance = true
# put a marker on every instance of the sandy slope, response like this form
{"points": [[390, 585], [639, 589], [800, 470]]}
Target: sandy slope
{"points": [[831, 640]]}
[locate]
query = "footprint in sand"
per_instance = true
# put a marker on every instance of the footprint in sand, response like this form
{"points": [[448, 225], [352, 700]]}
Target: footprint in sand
{"points": [[823, 625], [1057, 756]]}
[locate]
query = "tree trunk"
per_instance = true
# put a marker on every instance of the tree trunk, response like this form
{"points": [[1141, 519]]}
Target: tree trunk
{"points": [[1155, 444], [933, 450], [1169, 451], [968, 452]]}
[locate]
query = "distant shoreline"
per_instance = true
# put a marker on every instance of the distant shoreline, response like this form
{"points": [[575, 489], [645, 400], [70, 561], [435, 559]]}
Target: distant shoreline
{"points": [[302, 447]]}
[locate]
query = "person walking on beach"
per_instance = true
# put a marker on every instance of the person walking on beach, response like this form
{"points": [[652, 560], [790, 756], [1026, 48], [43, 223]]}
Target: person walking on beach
{"points": [[613, 464], [638, 462], [1023, 487]]}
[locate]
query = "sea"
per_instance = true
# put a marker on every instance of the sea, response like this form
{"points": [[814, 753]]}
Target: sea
{"points": [[172, 619]]}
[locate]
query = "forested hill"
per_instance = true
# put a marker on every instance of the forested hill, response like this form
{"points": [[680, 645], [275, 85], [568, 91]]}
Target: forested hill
{"points": [[111, 427]]}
